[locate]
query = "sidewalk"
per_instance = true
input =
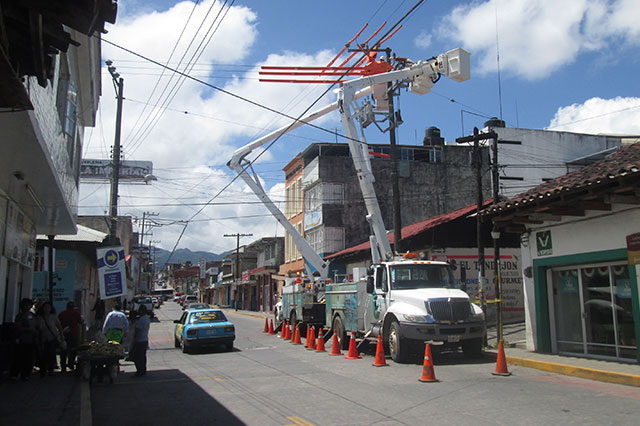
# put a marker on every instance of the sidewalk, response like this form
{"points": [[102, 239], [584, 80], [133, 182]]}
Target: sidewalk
{"points": [[52, 400]]}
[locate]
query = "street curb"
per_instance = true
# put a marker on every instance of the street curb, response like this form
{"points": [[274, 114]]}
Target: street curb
{"points": [[582, 372], [86, 418], [245, 313]]}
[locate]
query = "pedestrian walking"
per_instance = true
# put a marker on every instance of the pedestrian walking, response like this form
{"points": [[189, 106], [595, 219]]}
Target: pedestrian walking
{"points": [[116, 325], [99, 310], [50, 338], [27, 338], [71, 320], [141, 341]]}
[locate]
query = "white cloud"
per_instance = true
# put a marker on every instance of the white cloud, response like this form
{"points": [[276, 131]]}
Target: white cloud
{"points": [[423, 40], [618, 116], [190, 151], [537, 37]]}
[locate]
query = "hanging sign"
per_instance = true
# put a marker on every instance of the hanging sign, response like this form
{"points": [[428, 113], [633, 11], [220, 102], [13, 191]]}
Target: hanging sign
{"points": [[633, 248], [111, 272], [543, 243]]}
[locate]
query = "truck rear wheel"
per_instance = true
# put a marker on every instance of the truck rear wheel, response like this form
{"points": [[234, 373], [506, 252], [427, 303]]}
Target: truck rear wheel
{"points": [[398, 347], [338, 326], [472, 348]]}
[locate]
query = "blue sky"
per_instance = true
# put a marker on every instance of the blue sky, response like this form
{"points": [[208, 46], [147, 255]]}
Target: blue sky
{"points": [[565, 64]]}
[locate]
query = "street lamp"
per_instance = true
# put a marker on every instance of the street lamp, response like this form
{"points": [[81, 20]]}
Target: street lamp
{"points": [[495, 234], [118, 85]]}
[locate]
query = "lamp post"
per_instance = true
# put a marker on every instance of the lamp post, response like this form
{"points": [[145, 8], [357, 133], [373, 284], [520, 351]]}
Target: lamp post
{"points": [[118, 85]]}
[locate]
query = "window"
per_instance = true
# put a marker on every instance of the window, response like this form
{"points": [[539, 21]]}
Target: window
{"points": [[323, 193], [406, 154], [435, 156], [299, 199], [299, 228]]}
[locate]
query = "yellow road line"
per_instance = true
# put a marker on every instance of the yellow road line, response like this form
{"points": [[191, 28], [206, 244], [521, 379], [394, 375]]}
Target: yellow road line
{"points": [[299, 422]]}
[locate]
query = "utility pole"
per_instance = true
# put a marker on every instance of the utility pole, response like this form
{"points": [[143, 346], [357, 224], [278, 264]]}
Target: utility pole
{"points": [[495, 235], [141, 245], [236, 272], [397, 212], [477, 163], [395, 185], [118, 84]]}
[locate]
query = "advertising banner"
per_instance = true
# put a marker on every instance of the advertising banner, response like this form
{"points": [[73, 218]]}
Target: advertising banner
{"points": [[111, 272]]}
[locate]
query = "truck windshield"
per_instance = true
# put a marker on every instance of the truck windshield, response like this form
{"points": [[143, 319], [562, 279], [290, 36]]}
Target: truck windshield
{"points": [[414, 276]]}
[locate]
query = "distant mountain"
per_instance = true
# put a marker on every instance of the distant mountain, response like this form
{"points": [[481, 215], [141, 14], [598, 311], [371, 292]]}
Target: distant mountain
{"points": [[184, 255]]}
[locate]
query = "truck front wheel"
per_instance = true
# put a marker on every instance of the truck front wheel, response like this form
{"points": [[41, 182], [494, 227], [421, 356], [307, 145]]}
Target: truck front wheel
{"points": [[398, 347], [338, 327]]}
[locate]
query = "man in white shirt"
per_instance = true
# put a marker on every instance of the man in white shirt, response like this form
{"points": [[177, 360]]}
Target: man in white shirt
{"points": [[116, 325]]}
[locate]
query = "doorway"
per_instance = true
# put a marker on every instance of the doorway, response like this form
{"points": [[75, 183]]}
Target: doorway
{"points": [[592, 311]]}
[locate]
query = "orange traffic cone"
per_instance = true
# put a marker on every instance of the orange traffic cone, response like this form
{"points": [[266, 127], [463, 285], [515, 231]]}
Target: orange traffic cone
{"points": [[428, 374], [501, 364], [271, 327], [296, 336], [286, 333], [320, 345], [266, 325], [353, 351], [335, 346], [380, 361], [312, 340], [306, 336]]}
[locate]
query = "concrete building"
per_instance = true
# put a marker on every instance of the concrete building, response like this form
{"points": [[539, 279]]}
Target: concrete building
{"points": [[433, 180], [529, 157], [49, 92], [580, 246], [270, 251]]}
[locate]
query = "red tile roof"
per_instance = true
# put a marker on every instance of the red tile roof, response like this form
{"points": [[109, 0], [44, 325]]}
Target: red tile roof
{"points": [[623, 163], [413, 229]]}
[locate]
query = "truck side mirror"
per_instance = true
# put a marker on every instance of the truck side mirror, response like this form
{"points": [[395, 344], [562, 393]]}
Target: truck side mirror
{"points": [[370, 284]]}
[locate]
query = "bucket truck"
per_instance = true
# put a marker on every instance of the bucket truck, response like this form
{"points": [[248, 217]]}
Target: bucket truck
{"points": [[405, 300]]}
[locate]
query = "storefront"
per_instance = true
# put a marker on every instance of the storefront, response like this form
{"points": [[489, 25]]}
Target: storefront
{"points": [[580, 245]]}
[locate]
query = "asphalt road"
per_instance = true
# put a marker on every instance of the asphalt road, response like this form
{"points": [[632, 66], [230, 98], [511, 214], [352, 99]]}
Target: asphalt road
{"points": [[266, 381]]}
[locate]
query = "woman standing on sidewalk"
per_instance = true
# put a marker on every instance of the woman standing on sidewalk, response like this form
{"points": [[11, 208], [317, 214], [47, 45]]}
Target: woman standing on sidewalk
{"points": [[141, 341], [50, 337], [27, 331]]}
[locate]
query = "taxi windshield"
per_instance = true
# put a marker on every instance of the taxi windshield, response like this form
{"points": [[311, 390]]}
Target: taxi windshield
{"points": [[404, 277], [206, 317]]}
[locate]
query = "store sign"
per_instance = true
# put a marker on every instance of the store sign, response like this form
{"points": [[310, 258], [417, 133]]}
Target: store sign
{"points": [[20, 237], [633, 248], [111, 272], [543, 243], [129, 170]]}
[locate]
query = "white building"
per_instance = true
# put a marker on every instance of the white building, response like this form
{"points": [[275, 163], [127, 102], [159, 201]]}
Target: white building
{"points": [[49, 93], [580, 242]]}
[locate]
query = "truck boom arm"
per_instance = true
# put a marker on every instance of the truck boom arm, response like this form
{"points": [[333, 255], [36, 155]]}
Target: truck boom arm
{"points": [[421, 77]]}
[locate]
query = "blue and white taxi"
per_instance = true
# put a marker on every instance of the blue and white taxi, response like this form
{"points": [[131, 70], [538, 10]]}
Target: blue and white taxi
{"points": [[203, 327]]}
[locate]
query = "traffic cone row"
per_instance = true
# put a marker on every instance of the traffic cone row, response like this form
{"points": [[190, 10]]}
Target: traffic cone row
{"points": [[335, 345], [428, 372], [353, 351], [311, 339], [380, 361], [501, 362], [320, 345], [296, 338]]}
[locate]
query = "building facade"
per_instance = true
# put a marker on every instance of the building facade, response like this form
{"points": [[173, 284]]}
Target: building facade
{"points": [[49, 93], [580, 244]]}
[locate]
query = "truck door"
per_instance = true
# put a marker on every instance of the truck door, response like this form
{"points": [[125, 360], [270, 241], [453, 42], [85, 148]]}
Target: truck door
{"points": [[378, 303]]}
